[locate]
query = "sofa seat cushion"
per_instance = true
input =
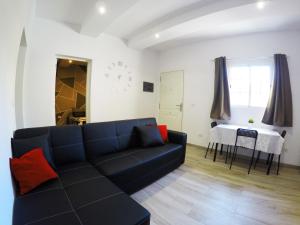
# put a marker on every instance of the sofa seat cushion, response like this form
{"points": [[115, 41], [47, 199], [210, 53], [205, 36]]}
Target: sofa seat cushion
{"points": [[76, 173], [166, 153], [125, 167], [40, 206], [48, 186], [91, 194], [60, 219], [81, 196], [85, 185], [113, 210]]}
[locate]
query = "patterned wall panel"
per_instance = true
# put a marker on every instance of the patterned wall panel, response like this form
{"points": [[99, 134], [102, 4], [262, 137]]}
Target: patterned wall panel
{"points": [[70, 94]]}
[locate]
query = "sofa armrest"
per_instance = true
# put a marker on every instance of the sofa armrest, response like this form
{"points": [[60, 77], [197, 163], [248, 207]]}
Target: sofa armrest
{"points": [[178, 138]]}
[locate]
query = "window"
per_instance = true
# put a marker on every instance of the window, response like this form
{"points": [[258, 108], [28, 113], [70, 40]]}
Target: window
{"points": [[250, 85]]}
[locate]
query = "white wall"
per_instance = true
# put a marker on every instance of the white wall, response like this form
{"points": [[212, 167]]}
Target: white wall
{"points": [[14, 18], [108, 98], [196, 61]]}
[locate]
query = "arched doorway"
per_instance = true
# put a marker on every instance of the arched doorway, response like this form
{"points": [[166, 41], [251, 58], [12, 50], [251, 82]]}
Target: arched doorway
{"points": [[19, 82]]}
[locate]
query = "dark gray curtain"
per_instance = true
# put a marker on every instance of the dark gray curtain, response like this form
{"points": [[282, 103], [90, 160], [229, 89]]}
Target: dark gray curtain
{"points": [[279, 111], [221, 105]]}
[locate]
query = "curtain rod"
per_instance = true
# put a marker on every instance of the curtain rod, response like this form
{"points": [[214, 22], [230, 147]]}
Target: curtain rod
{"points": [[251, 58]]}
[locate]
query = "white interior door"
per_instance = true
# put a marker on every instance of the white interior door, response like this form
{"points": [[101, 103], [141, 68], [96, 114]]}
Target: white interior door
{"points": [[171, 100]]}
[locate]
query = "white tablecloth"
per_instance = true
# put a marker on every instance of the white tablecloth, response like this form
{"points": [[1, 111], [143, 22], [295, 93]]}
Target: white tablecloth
{"points": [[267, 141]]}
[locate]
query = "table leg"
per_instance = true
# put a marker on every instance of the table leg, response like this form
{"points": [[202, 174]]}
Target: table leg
{"points": [[270, 164], [267, 162], [221, 151], [216, 149], [207, 150]]}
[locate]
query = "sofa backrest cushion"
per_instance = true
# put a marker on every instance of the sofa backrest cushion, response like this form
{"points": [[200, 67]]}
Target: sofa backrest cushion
{"points": [[100, 139], [67, 144], [26, 134], [31, 132], [108, 137], [127, 134], [21, 146]]}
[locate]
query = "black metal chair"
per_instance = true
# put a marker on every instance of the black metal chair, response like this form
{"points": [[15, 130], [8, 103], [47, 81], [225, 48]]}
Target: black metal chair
{"points": [[213, 124], [271, 157], [244, 133]]}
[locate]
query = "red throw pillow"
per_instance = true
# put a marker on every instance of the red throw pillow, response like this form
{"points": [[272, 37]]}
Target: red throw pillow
{"points": [[31, 170], [163, 132]]}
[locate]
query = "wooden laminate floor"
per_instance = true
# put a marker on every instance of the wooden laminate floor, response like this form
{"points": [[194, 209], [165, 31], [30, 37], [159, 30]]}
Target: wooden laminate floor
{"points": [[203, 192]]}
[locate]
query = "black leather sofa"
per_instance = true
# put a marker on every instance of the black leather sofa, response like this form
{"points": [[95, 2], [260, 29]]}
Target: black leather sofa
{"points": [[98, 165]]}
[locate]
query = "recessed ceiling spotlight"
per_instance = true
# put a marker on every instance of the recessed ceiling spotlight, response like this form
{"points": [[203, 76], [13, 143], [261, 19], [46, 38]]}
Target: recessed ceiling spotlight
{"points": [[157, 35], [101, 8], [260, 5], [70, 61]]}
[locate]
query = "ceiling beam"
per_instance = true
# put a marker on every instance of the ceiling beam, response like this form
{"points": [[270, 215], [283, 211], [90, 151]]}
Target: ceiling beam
{"points": [[145, 38], [94, 24]]}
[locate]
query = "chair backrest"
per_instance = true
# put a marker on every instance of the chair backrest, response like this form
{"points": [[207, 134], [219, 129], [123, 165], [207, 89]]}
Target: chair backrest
{"points": [[213, 124], [247, 133], [283, 134]]}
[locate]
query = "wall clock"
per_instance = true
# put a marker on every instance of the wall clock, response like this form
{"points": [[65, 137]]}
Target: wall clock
{"points": [[120, 76]]}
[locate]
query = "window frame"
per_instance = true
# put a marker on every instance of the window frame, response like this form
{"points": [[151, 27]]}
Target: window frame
{"points": [[250, 63]]}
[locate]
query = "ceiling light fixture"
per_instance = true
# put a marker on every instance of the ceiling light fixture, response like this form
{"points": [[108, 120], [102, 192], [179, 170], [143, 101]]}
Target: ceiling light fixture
{"points": [[260, 5], [101, 8], [157, 35], [70, 61]]}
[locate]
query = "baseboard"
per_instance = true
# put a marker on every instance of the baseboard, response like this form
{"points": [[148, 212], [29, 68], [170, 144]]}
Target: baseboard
{"points": [[247, 157]]}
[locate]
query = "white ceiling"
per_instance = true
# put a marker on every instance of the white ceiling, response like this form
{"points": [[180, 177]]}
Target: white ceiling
{"points": [[143, 13], [177, 21], [66, 11]]}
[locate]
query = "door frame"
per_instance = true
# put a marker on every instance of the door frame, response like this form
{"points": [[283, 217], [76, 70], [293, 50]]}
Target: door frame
{"points": [[183, 83], [88, 82]]}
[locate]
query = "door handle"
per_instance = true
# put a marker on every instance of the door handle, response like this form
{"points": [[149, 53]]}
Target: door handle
{"points": [[180, 107]]}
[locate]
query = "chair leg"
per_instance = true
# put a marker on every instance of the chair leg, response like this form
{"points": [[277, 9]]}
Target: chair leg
{"points": [[226, 154], [251, 162], [270, 164], [278, 166], [268, 160], [235, 153], [221, 151], [207, 150], [216, 149], [233, 156], [257, 159]]}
